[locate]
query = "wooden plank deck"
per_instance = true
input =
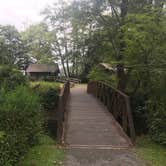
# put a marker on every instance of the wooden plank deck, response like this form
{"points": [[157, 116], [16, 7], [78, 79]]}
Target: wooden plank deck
{"points": [[92, 131]]}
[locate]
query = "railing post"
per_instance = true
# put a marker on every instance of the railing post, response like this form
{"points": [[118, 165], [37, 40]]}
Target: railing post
{"points": [[130, 120], [124, 119], [59, 120]]}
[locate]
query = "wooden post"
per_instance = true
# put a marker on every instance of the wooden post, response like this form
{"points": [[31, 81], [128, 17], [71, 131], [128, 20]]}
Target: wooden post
{"points": [[130, 120]]}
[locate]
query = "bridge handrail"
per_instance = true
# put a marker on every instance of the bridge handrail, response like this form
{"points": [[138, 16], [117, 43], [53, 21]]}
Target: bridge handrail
{"points": [[71, 79], [63, 97], [117, 103]]}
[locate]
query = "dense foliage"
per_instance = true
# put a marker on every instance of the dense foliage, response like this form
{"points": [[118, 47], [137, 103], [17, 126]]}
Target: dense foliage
{"points": [[12, 48], [10, 78], [20, 123], [48, 92], [99, 74], [36, 40], [22, 120]]}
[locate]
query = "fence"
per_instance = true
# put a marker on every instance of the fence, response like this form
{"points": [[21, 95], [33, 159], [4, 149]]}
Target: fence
{"points": [[117, 103], [63, 98]]}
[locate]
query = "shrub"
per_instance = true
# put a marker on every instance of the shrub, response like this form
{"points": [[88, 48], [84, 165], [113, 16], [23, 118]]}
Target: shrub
{"points": [[156, 106], [20, 123], [157, 119], [48, 92], [49, 97], [11, 78], [98, 74]]}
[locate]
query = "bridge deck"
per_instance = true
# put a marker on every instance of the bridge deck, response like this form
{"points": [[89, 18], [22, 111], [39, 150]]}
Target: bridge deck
{"points": [[93, 136]]}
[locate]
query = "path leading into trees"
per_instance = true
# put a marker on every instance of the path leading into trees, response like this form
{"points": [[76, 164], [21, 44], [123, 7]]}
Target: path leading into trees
{"points": [[93, 137]]}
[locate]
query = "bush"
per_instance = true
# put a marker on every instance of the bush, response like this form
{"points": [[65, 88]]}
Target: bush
{"points": [[48, 92], [98, 74], [140, 113], [157, 119], [11, 78], [20, 123], [156, 106], [49, 97]]}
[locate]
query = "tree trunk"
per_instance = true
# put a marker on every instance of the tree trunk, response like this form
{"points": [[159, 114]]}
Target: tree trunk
{"points": [[121, 77], [67, 65], [120, 67], [63, 65], [73, 66]]}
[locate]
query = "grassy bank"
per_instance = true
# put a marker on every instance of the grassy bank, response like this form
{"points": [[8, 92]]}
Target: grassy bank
{"points": [[46, 153], [45, 85], [152, 153]]}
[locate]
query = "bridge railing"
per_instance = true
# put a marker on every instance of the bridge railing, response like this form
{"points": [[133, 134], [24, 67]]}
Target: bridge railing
{"points": [[71, 79], [61, 112], [117, 103]]}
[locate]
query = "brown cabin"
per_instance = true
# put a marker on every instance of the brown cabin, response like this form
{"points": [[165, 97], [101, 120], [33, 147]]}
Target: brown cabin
{"points": [[42, 71]]}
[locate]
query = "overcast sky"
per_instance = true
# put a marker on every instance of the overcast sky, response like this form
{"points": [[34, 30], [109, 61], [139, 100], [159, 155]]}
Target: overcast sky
{"points": [[22, 12]]}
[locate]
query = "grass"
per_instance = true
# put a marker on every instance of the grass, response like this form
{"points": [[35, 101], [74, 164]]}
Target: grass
{"points": [[45, 154], [152, 153]]}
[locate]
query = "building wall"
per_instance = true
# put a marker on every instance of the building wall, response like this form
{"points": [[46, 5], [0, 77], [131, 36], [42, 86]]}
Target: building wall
{"points": [[43, 76]]}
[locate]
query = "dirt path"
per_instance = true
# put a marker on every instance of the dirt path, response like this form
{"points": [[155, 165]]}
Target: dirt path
{"points": [[93, 136]]}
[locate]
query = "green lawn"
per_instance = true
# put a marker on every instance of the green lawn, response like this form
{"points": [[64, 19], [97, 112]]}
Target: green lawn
{"points": [[152, 153], [45, 154]]}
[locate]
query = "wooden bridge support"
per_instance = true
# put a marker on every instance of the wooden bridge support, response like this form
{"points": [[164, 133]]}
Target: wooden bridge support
{"points": [[63, 98]]}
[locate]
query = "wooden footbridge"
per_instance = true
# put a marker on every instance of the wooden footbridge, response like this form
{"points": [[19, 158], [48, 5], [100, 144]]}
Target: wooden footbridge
{"points": [[95, 124]]}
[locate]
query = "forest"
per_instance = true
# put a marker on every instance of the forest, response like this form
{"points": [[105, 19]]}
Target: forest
{"points": [[127, 35]]}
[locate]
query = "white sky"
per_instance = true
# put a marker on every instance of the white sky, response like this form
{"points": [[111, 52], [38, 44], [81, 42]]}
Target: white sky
{"points": [[22, 12]]}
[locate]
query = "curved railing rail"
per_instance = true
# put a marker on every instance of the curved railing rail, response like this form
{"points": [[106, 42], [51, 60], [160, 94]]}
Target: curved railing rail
{"points": [[117, 103], [71, 79], [63, 98]]}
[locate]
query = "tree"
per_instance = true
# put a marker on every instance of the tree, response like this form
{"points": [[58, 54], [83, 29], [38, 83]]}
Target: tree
{"points": [[12, 50], [37, 41], [73, 30], [56, 17]]}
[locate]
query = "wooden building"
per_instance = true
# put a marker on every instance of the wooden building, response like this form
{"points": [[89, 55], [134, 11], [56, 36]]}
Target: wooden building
{"points": [[42, 72], [107, 67]]}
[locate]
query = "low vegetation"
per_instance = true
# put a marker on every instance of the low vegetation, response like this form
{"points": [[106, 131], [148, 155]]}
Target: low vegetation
{"points": [[45, 153], [150, 152], [48, 92], [20, 123], [22, 120], [11, 78]]}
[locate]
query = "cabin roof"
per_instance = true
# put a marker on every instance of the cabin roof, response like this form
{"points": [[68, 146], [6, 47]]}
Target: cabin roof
{"points": [[42, 68], [107, 66]]}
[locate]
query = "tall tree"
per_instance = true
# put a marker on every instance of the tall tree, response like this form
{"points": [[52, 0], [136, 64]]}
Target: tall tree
{"points": [[12, 50], [37, 41], [56, 17]]}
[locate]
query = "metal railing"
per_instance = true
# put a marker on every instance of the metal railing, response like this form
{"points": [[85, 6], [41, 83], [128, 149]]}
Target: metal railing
{"points": [[117, 103]]}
